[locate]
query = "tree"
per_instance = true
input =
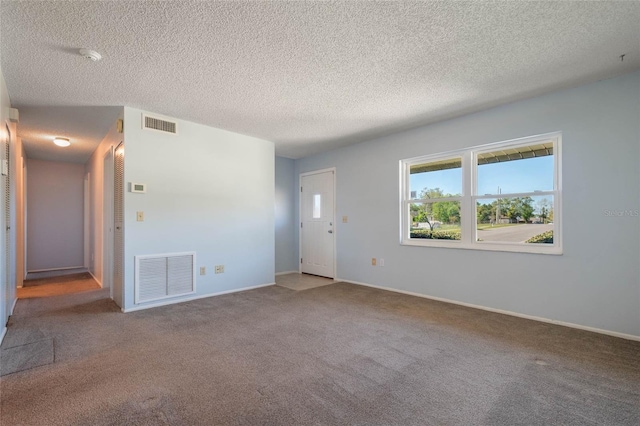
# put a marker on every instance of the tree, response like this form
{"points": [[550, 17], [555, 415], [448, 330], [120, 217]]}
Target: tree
{"points": [[517, 208], [544, 210], [428, 193], [424, 212], [510, 208], [439, 211], [447, 211], [485, 212], [526, 208]]}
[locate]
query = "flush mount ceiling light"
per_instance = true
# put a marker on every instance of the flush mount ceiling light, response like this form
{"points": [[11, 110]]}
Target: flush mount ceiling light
{"points": [[90, 54], [62, 141]]}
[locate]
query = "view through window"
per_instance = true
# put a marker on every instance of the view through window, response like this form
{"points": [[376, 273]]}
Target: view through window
{"points": [[502, 196]]}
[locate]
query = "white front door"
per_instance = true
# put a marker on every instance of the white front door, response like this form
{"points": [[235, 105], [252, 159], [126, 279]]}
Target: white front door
{"points": [[317, 223]]}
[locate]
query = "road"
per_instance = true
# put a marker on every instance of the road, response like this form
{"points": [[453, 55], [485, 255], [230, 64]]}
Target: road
{"points": [[513, 234]]}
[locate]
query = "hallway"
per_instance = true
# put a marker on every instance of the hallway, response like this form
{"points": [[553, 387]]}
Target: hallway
{"points": [[57, 286]]}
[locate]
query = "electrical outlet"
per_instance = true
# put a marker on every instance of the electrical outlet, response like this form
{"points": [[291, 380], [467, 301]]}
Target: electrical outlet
{"points": [[219, 269], [345, 219], [140, 216], [203, 270], [381, 262], [373, 261]]}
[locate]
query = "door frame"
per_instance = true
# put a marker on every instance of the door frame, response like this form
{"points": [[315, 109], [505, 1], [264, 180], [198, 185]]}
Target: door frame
{"points": [[335, 227], [86, 212], [120, 292], [107, 220], [7, 281]]}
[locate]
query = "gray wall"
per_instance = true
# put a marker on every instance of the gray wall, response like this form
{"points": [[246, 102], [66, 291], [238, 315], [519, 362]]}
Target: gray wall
{"points": [[286, 207], [208, 190], [595, 283], [55, 215]]}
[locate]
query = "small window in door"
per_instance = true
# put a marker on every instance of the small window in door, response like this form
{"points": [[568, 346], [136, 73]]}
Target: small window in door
{"points": [[317, 206]]}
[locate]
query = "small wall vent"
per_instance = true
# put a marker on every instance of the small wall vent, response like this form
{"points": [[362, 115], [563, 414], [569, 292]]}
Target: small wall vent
{"points": [[153, 123], [164, 275]]}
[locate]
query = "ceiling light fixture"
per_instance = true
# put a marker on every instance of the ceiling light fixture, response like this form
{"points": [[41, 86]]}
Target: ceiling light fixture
{"points": [[90, 54], [62, 141]]}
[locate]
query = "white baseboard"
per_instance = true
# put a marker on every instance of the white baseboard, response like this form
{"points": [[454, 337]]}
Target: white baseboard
{"points": [[96, 278], [4, 329], [66, 268], [190, 298], [287, 272], [501, 311], [13, 305]]}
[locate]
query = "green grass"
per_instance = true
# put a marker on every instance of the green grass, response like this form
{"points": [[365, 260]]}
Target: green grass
{"points": [[447, 227]]}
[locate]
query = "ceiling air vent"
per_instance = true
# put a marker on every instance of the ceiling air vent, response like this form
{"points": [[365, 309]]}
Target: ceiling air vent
{"points": [[165, 126]]}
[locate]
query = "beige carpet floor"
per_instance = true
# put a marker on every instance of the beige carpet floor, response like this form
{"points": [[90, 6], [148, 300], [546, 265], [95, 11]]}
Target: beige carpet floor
{"points": [[338, 354]]}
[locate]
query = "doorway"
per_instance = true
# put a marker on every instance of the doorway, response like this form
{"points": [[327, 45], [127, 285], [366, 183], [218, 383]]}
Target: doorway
{"points": [[317, 223]]}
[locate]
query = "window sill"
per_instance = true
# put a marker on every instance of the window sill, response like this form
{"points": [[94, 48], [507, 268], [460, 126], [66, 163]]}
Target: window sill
{"points": [[480, 246]]}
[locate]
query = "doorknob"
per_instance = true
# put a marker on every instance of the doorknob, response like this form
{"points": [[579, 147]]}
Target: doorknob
{"points": [[330, 231]]}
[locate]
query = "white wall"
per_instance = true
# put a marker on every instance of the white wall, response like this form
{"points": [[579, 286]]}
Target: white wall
{"points": [[55, 215], [95, 166], [595, 283], [208, 191], [19, 220], [285, 215], [7, 288]]}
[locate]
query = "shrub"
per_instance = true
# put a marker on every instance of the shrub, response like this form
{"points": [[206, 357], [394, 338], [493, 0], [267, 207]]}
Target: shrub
{"points": [[545, 237], [448, 234]]}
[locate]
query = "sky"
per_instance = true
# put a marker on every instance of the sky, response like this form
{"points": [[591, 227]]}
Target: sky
{"points": [[532, 174]]}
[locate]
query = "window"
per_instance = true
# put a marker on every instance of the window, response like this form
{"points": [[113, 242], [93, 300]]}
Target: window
{"points": [[503, 196], [317, 206]]}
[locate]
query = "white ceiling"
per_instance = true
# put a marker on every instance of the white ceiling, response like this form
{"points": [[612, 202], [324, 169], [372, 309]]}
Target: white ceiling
{"points": [[309, 76]]}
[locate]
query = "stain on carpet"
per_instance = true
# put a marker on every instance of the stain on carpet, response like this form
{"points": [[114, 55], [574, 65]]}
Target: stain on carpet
{"points": [[27, 356]]}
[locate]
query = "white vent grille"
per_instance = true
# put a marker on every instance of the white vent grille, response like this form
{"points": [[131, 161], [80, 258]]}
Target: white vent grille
{"points": [[154, 123], [164, 275]]}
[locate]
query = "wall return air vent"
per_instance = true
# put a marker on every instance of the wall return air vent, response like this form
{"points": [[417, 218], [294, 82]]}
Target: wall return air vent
{"points": [[154, 123], [163, 276]]}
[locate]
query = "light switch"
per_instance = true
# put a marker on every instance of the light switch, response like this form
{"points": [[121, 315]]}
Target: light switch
{"points": [[140, 216], [345, 219]]}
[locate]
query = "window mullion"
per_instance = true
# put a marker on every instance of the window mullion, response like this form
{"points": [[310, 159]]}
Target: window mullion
{"points": [[467, 213]]}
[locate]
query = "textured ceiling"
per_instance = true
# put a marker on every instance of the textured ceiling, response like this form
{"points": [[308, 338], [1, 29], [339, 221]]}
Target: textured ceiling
{"points": [[84, 126], [309, 76]]}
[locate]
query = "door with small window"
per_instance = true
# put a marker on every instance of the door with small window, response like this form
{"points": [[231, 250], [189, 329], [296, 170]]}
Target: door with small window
{"points": [[317, 248]]}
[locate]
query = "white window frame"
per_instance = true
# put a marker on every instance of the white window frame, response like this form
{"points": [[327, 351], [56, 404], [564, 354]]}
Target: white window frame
{"points": [[469, 197]]}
